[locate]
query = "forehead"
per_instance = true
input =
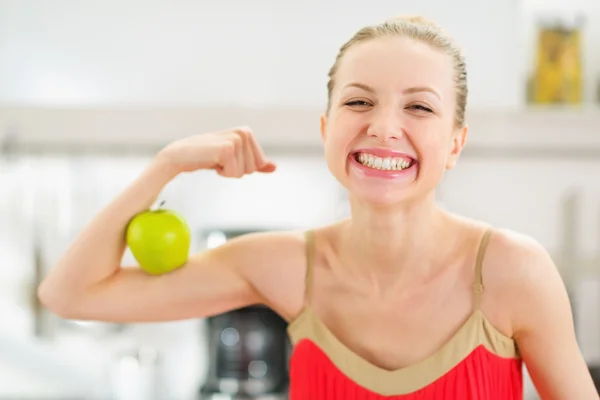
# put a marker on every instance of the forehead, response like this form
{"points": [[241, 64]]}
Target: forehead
{"points": [[396, 62]]}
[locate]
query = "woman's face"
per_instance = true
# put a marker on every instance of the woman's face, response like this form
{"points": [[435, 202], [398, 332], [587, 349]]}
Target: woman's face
{"points": [[389, 135]]}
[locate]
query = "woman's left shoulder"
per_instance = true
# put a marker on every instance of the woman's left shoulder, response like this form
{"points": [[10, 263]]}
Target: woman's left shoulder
{"points": [[520, 272], [518, 258]]}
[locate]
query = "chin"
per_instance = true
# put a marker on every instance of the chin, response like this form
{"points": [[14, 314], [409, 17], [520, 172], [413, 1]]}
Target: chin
{"points": [[382, 199]]}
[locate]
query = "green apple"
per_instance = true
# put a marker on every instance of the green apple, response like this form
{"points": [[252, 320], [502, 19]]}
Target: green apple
{"points": [[159, 239]]}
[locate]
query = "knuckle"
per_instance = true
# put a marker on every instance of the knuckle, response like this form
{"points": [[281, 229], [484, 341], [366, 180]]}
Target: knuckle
{"points": [[237, 140], [228, 146], [228, 150], [243, 130]]}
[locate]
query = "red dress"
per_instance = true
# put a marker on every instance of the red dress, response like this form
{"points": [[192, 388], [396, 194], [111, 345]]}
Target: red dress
{"points": [[477, 363]]}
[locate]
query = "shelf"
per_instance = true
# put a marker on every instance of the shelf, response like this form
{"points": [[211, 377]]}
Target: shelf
{"points": [[146, 129]]}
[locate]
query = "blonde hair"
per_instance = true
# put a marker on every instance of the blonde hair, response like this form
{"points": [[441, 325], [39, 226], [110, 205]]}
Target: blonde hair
{"points": [[422, 30]]}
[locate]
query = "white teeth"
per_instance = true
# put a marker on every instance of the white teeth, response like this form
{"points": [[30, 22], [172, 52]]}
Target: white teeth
{"points": [[386, 164]]}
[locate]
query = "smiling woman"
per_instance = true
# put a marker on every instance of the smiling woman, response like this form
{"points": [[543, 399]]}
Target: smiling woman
{"points": [[403, 300], [427, 95]]}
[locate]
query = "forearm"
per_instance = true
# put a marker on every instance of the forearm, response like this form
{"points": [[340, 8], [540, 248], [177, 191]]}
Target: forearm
{"points": [[96, 253]]}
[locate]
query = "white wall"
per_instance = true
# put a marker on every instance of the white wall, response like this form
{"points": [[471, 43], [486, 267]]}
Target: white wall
{"points": [[227, 52], [188, 66], [529, 196], [236, 52], [300, 194]]}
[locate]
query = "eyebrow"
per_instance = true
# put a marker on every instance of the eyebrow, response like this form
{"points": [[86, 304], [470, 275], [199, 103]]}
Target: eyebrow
{"points": [[419, 89], [410, 90], [359, 85]]}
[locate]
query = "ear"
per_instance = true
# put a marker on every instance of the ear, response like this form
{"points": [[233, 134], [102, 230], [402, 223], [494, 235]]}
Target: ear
{"points": [[323, 127], [459, 139]]}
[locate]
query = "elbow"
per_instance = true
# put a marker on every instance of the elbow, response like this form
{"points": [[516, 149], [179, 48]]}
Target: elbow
{"points": [[57, 301], [47, 297]]}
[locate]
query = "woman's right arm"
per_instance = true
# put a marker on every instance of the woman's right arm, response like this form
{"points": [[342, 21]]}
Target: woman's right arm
{"points": [[88, 281]]}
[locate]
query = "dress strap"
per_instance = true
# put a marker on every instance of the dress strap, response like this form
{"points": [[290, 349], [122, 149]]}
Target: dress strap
{"points": [[478, 286], [310, 255]]}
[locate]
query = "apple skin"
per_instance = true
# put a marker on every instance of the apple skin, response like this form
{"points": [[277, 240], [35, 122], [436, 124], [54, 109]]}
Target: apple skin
{"points": [[159, 240]]}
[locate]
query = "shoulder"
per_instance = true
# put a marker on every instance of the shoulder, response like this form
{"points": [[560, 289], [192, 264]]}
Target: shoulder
{"points": [[273, 243], [535, 300], [518, 257], [274, 263], [521, 276]]}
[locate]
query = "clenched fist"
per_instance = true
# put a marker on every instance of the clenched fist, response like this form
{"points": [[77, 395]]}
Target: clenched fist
{"points": [[232, 153]]}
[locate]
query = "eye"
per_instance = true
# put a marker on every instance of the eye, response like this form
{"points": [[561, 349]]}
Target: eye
{"points": [[420, 107], [358, 103]]}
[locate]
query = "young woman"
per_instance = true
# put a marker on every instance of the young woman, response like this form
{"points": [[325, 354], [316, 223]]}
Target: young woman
{"points": [[403, 300]]}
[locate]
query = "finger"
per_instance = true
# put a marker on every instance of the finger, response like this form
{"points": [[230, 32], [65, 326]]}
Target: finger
{"points": [[239, 155], [229, 161], [262, 164], [249, 163], [268, 167]]}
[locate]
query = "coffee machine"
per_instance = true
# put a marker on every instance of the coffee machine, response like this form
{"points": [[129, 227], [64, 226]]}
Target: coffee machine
{"points": [[248, 348]]}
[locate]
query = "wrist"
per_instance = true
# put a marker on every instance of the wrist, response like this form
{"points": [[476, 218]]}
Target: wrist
{"points": [[163, 169]]}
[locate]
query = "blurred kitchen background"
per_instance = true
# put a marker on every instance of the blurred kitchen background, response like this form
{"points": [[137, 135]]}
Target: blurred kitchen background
{"points": [[90, 90]]}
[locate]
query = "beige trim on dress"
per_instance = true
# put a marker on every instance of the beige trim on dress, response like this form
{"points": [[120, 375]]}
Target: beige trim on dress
{"points": [[476, 331]]}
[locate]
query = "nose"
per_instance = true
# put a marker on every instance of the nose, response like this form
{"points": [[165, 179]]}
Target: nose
{"points": [[386, 124]]}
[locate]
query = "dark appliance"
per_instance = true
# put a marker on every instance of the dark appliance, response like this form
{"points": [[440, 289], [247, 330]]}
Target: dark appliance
{"points": [[248, 349]]}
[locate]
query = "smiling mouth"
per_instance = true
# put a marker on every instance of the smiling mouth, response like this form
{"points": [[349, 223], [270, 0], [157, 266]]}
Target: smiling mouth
{"points": [[384, 163]]}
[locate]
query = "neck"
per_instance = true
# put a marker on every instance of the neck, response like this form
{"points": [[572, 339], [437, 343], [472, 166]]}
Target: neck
{"points": [[386, 243]]}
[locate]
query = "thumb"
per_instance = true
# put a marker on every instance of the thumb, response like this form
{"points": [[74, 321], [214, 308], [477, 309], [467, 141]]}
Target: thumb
{"points": [[268, 167]]}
